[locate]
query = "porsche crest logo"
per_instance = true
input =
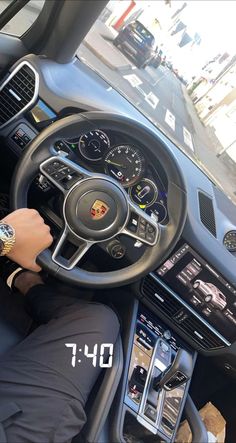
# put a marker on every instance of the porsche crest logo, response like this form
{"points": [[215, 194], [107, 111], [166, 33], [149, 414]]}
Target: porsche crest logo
{"points": [[99, 210]]}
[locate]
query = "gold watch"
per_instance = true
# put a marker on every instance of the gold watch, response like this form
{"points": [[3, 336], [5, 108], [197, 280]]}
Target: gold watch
{"points": [[7, 238]]}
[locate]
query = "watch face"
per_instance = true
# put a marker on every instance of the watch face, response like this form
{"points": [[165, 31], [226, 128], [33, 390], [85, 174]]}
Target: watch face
{"points": [[6, 231]]}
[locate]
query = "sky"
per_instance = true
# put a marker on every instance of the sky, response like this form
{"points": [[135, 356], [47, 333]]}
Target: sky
{"points": [[215, 21]]}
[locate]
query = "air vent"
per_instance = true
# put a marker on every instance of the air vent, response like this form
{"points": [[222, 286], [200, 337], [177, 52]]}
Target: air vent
{"points": [[17, 93], [173, 309], [207, 215]]}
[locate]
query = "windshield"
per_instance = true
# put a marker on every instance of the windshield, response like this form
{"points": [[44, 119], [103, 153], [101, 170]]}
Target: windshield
{"points": [[183, 81]]}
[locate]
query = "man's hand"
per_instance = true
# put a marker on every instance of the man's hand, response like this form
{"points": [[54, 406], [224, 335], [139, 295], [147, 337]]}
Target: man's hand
{"points": [[32, 237]]}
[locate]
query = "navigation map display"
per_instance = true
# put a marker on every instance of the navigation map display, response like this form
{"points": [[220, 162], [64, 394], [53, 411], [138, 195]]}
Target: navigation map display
{"points": [[203, 288]]}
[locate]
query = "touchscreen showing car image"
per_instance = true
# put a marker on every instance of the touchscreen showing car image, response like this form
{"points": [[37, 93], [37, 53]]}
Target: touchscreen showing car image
{"points": [[202, 287]]}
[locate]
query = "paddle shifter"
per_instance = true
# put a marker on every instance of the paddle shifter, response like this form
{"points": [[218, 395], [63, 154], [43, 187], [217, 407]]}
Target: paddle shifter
{"points": [[178, 373]]}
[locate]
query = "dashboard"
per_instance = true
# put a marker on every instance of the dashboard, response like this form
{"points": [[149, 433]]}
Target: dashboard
{"points": [[202, 278], [112, 154]]}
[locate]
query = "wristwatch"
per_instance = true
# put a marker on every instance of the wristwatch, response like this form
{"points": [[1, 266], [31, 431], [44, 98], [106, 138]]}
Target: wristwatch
{"points": [[7, 238]]}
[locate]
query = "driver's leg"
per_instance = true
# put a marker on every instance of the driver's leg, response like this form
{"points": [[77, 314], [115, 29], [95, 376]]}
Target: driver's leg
{"points": [[38, 375]]}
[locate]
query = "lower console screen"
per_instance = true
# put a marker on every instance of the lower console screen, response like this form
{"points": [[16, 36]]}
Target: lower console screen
{"points": [[202, 287]]}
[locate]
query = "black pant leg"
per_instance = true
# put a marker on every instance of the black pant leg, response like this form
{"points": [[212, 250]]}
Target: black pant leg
{"points": [[43, 302], [13, 310], [38, 374]]}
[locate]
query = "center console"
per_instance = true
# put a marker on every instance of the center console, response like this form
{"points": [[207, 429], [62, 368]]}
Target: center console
{"points": [[185, 306], [159, 374]]}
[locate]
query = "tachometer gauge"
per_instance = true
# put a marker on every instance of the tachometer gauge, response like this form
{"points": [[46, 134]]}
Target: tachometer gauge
{"points": [[144, 193], [125, 163], [93, 145], [157, 211], [230, 241]]}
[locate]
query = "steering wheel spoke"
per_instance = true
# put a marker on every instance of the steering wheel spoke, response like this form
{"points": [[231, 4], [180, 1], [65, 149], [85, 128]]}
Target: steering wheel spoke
{"points": [[62, 172], [141, 226], [58, 254]]}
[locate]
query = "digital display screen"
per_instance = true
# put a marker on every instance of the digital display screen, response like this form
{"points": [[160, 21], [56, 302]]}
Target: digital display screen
{"points": [[41, 112], [203, 288]]}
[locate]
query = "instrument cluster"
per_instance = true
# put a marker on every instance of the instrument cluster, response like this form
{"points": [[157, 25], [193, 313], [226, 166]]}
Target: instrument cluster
{"points": [[110, 153]]}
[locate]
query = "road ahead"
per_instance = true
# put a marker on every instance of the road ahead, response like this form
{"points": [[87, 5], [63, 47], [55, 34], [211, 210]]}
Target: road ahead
{"points": [[160, 96]]}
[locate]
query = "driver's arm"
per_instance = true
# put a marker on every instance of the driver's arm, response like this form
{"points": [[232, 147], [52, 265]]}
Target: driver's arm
{"points": [[32, 236]]}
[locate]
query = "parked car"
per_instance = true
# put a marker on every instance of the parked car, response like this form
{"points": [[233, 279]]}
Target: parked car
{"points": [[138, 42], [211, 294]]}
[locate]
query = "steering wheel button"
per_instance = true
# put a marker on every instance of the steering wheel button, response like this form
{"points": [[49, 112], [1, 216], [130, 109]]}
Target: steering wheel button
{"points": [[142, 234], [69, 171], [150, 229], [150, 237], [143, 221], [141, 228], [64, 172], [56, 165], [132, 228], [133, 223], [58, 176], [49, 169]]}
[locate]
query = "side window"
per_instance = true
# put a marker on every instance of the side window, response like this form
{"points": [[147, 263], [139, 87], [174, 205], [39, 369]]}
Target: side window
{"points": [[24, 19]]}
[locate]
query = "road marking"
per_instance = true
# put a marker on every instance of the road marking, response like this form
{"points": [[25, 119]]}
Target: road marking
{"points": [[152, 100], [188, 138], [141, 91], [133, 79], [170, 119], [160, 79]]}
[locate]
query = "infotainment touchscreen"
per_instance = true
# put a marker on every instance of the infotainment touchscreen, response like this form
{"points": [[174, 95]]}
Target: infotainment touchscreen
{"points": [[202, 287]]}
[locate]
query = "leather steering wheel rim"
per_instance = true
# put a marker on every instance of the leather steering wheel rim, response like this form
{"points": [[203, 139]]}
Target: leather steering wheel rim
{"points": [[42, 148]]}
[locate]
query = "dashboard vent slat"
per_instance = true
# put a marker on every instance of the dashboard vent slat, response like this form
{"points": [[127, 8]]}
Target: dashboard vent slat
{"points": [[17, 93], [207, 214], [184, 319]]}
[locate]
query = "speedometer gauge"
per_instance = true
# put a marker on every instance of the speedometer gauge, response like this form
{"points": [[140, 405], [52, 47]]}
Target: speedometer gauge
{"points": [[125, 163], [93, 145], [144, 193]]}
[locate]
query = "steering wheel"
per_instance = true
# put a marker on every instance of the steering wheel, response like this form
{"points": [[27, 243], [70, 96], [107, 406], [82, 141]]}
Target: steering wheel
{"points": [[96, 208]]}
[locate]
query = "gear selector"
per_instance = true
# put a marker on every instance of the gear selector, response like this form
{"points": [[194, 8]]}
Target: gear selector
{"points": [[168, 372], [178, 373]]}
